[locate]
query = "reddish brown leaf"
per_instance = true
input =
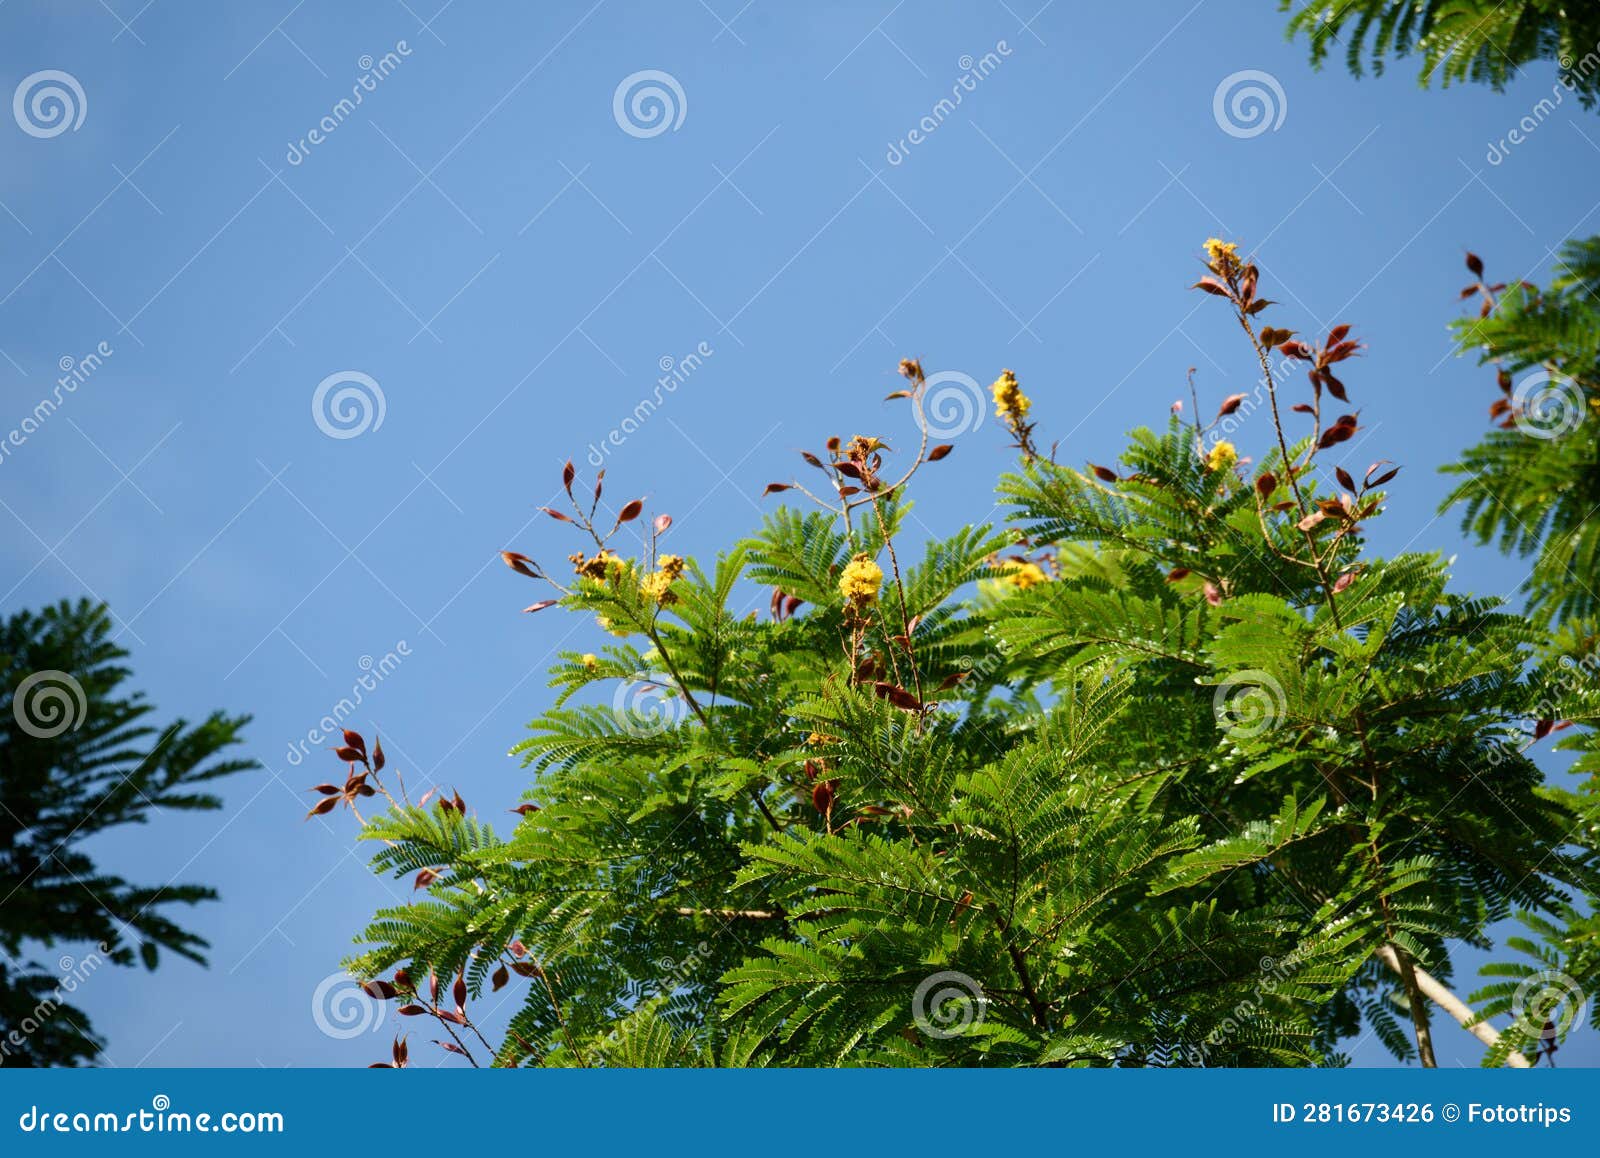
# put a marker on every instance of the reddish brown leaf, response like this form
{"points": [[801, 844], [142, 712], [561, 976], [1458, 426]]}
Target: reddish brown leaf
{"points": [[541, 605], [897, 696], [1475, 264], [325, 805], [1177, 573], [379, 990], [451, 1046], [631, 510], [1104, 474], [425, 878], [326, 789], [1344, 478], [1266, 484], [520, 563], [518, 949], [498, 979], [555, 514], [349, 755], [568, 473], [1230, 404], [939, 452], [411, 1010], [524, 809], [354, 740], [1343, 581], [1212, 286], [822, 796], [459, 990], [774, 488]]}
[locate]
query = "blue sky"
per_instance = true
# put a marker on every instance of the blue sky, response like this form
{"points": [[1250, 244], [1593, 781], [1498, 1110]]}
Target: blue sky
{"points": [[504, 262]]}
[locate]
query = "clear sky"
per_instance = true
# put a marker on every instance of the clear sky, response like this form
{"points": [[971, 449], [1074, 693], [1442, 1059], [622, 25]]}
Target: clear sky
{"points": [[510, 262]]}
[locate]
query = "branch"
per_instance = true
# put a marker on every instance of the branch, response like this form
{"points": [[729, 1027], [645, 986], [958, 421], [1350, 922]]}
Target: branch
{"points": [[1451, 1004]]}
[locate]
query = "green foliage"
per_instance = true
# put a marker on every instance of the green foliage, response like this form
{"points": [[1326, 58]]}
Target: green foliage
{"points": [[78, 757], [1482, 41], [1169, 772], [1532, 486]]}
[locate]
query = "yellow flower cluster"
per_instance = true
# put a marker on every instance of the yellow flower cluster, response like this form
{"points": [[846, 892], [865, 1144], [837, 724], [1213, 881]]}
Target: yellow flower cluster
{"points": [[1222, 457], [1010, 403], [658, 584], [861, 581], [599, 567], [1224, 255], [1025, 575]]}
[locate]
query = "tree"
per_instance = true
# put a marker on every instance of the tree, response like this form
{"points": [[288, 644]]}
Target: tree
{"points": [[77, 757], [1532, 487], [1170, 771], [1484, 41]]}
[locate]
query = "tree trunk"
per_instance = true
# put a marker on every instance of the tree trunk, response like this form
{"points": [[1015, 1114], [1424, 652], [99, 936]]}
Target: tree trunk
{"points": [[1430, 988]]}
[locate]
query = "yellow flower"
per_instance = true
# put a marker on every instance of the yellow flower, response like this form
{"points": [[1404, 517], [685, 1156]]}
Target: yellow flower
{"points": [[1223, 254], [601, 567], [658, 585], [1222, 457], [861, 581], [590, 661], [1010, 403], [1025, 575]]}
